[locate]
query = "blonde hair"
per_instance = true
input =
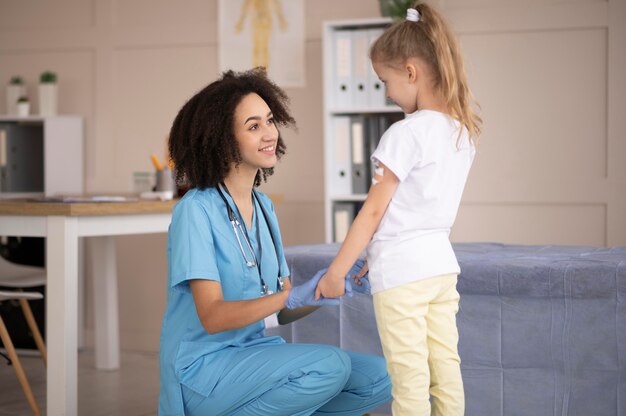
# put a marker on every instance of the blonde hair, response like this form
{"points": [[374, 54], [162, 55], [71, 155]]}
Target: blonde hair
{"points": [[430, 40]]}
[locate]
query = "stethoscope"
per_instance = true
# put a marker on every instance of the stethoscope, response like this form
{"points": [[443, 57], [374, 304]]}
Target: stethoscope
{"points": [[239, 229]]}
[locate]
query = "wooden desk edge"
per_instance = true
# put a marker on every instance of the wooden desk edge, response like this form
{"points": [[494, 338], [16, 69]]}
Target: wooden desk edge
{"points": [[75, 209]]}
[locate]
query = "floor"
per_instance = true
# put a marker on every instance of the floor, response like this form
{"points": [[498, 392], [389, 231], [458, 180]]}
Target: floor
{"points": [[132, 390]]}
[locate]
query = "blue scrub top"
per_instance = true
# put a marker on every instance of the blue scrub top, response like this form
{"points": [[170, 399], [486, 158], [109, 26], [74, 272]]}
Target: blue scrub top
{"points": [[202, 245]]}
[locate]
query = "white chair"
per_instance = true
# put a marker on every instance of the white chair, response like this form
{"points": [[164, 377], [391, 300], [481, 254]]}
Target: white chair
{"points": [[23, 298], [16, 275], [19, 283], [22, 262]]}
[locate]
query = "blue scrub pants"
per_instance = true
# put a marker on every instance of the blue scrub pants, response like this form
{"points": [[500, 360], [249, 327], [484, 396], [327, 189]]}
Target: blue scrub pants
{"points": [[295, 380]]}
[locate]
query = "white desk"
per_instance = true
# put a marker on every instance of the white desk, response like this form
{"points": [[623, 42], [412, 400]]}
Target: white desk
{"points": [[63, 224]]}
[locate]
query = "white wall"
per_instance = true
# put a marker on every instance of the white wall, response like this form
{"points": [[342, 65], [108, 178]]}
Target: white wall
{"points": [[549, 76]]}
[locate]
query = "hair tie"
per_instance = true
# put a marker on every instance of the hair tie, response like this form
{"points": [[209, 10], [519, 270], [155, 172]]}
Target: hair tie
{"points": [[412, 15]]}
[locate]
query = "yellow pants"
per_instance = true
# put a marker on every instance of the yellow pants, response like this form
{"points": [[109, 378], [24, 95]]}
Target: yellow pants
{"points": [[417, 327]]}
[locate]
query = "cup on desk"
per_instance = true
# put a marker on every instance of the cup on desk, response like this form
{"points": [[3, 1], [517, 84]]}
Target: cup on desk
{"points": [[164, 181]]}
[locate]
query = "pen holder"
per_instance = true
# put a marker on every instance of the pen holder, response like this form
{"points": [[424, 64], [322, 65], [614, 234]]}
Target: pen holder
{"points": [[164, 181]]}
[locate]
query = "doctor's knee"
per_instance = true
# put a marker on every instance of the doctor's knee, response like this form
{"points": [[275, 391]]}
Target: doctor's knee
{"points": [[337, 366]]}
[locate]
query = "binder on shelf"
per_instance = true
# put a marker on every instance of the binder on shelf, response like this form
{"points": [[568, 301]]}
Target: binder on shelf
{"points": [[359, 158], [341, 160], [385, 121], [343, 215], [361, 67], [376, 127], [373, 138], [21, 158], [342, 60], [376, 96]]}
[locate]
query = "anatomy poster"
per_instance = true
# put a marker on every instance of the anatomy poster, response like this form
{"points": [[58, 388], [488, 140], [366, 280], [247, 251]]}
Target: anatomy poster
{"points": [[267, 33]]}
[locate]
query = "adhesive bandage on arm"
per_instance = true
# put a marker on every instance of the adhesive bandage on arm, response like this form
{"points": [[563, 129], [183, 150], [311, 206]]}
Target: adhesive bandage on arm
{"points": [[379, 172]]}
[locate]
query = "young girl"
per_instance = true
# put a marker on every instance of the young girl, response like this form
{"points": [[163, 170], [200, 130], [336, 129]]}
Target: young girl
{"points": [[422, 163], [227, 272]]}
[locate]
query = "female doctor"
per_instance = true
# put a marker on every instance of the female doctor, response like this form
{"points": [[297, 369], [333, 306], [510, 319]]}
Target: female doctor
{"points": [[227, 272]]}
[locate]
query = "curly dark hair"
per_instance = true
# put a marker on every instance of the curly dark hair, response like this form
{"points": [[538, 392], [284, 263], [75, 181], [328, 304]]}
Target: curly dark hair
{"points": [[202, 144]]}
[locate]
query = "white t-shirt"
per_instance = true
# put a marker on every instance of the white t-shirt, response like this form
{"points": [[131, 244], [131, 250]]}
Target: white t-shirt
{"points": [[412, 240]]}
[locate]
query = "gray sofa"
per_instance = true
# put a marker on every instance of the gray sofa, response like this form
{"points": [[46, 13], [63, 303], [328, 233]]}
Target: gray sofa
{"points": [[542, 328]]}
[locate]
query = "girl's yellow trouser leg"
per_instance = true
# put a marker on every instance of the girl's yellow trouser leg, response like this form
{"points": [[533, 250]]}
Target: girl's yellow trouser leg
{"points": [[417, 327]]}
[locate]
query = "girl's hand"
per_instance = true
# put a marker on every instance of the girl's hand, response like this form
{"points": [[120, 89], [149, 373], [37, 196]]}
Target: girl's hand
{"points": [[357, 278], [330, 288], [364, 270]]}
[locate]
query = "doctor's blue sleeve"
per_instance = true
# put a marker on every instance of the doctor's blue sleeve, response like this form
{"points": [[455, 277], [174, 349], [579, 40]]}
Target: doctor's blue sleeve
{"points": [[192, 250]]}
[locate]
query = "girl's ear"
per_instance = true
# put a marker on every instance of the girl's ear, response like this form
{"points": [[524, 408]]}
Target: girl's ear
{"points": [[411, 72]]}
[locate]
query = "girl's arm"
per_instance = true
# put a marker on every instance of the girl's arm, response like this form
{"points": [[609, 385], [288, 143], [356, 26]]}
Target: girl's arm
{"points": [[217, 314], [365, 224]]}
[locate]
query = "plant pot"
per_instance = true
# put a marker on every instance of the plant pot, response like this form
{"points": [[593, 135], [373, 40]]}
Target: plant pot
{"points": [[48, 99], [13, 93], [22, 109]]}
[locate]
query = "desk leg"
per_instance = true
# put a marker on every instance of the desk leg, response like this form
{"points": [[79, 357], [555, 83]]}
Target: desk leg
{"points": [[105, 303], [61, 315]]}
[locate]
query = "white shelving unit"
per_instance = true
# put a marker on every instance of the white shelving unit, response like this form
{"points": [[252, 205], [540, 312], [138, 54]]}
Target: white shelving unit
{"points": [[41, 156], [354, 99]]}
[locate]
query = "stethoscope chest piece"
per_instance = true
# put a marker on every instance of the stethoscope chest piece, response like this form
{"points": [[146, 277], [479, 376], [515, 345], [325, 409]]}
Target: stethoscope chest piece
{"points": [[265, 290]]}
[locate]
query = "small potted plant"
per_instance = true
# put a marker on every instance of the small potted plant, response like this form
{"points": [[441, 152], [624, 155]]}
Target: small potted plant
{"points": [[23, 106], [48, 97], [396, 9], [15, 90]]}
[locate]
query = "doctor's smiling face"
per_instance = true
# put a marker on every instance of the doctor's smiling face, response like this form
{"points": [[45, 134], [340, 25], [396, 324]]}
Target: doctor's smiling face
{"points": [[255, 132]]}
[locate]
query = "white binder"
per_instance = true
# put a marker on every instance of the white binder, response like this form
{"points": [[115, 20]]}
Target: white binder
{"points": [[343, 216], [361, 67], [342, 59], [341, 164], [375, 88], [359, 158]]}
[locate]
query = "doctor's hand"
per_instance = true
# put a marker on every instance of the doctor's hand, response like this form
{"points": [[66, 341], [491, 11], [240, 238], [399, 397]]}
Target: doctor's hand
{"points": [[304, 294], [357, 278]]}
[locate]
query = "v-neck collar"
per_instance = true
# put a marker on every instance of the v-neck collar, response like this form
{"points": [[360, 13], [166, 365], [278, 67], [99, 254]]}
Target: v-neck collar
{"points": [[231, 200]]}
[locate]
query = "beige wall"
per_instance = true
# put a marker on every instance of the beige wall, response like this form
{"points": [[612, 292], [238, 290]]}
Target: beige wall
{"points": [[549, 76]]}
